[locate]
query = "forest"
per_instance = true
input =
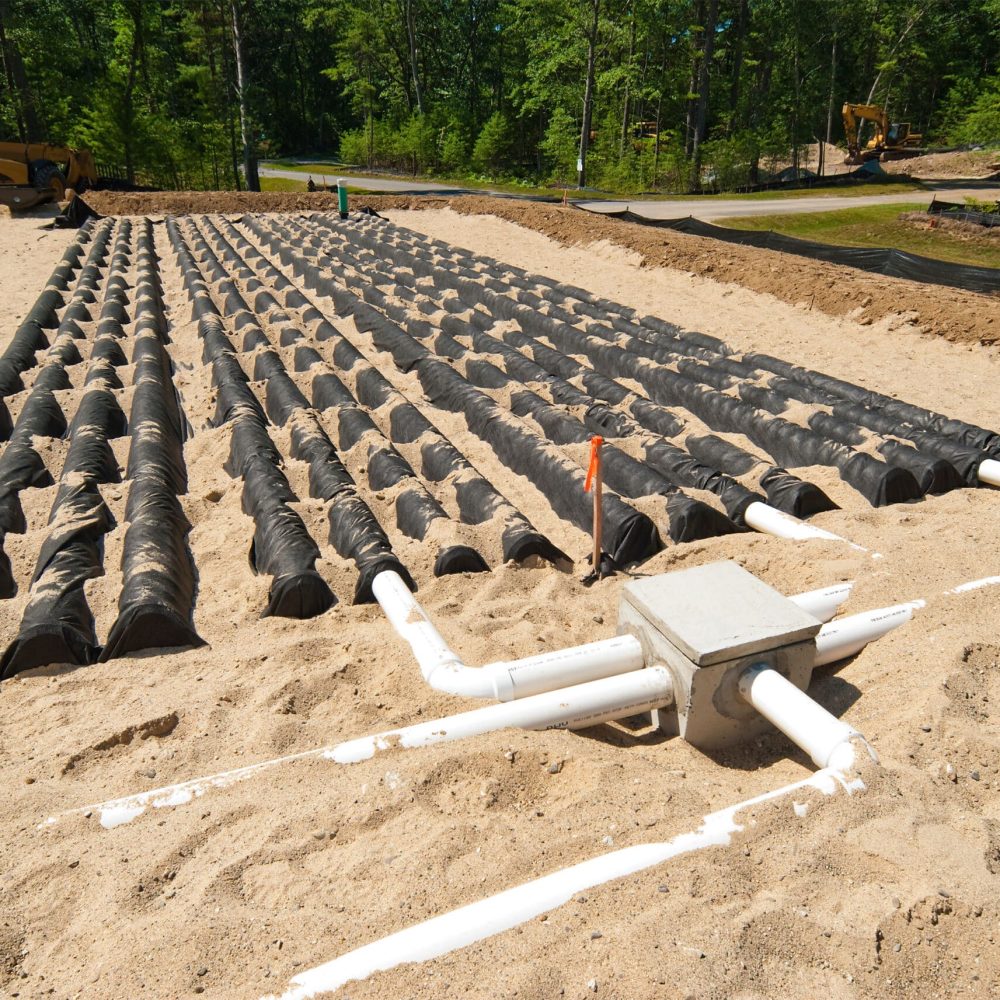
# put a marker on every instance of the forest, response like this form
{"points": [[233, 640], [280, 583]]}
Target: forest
{"points": [[634, 95]]}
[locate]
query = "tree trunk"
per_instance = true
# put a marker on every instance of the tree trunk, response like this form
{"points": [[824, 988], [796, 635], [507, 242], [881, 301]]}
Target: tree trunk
{"points": [[588, 95], [739, 40], [28, 121], [128, 98], [628, 80], [696, 61], [704, 82], [910, 25], [830, 101], [246, 132], [411, 38]]}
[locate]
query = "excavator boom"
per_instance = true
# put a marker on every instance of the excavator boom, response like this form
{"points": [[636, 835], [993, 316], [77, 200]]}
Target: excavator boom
{"points": [[889, 141]]}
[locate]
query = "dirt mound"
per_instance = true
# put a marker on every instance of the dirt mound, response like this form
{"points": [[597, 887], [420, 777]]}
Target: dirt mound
{"points": [[186, 202], [972, 163], [970, 231]]}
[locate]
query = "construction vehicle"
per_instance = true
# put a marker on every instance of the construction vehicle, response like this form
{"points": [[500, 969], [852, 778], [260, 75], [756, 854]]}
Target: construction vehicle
{"points": [[35, 172], [891, 140]]}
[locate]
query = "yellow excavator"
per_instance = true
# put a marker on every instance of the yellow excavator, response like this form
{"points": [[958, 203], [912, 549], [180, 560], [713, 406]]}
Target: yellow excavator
{"points": [[35, 172], [891, 140]]}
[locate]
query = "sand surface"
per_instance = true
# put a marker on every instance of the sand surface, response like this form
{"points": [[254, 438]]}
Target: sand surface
{"points": [[892, 893]]}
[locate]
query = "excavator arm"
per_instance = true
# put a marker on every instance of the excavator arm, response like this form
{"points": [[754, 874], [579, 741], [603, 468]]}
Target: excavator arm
{"points": [[854, 117]]}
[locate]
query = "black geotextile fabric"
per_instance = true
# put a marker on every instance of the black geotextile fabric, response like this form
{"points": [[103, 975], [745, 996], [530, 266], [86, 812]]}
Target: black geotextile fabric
{"points": [[156, 603], [784, 491], [57, 625], [629, 535], [478, 500], [282, 547], [881, 260], [29, 337], [354, 531], [901, 412], [935, 432], [679, 468], [790, 493], [666, 459], [789, 444]]}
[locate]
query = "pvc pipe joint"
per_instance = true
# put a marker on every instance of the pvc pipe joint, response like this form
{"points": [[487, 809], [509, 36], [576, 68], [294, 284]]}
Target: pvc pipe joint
{"points": [[444, 670]]}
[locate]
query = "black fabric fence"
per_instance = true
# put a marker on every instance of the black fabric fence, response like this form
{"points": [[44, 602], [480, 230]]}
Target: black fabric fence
{"points": [[880, 260]]}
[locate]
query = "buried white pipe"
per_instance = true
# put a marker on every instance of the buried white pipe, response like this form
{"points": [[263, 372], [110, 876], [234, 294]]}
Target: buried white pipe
{"points": [[574, 707], [495, 914], [989, 471], [570, 708], [849, 635], [823, 603], [835, 640]]}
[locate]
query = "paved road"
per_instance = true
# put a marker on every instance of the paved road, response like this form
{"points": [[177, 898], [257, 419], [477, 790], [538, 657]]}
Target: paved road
{"points": [[369, 183], [708, 208]]}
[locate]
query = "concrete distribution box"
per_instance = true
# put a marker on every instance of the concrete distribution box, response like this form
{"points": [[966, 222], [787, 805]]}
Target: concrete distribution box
{"points": [[707, 625]]}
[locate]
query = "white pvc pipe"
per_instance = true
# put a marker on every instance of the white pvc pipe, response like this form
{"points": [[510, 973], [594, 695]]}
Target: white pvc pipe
{"points": [[569, 708], [805, 722], [847, 636], [444, 670], [490, 916], [763, 517], [576, 665], [989, 471], [824, 602]]}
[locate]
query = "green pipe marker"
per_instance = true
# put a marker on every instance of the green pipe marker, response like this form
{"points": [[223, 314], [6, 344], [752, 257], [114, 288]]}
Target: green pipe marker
{"points": [[342, 197]]}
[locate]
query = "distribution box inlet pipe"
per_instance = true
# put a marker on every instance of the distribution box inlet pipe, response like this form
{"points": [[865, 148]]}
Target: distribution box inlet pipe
{"points": [[444, 670], [574, 707]]}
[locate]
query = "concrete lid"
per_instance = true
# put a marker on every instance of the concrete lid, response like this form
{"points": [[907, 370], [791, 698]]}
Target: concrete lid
{"points": [[719, 612]]}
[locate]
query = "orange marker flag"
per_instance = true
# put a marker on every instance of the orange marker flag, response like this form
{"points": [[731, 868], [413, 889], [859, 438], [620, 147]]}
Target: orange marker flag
{"points": [[595, 461]]}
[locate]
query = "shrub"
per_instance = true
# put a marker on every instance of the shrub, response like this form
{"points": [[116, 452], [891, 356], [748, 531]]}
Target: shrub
{"points": [[493, 144]]}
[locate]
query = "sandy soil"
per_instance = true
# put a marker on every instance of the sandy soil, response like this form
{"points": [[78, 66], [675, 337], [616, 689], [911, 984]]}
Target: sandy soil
{"points": [[889, 894]]}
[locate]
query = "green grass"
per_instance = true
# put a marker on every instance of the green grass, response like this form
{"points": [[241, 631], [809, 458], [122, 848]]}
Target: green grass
{"points": [[847, 191], [281, 184], [331, 171], [876, 226]]}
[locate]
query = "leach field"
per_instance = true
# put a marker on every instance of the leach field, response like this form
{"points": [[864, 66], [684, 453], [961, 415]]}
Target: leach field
{"points": [[220, 429]]}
